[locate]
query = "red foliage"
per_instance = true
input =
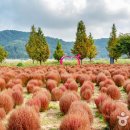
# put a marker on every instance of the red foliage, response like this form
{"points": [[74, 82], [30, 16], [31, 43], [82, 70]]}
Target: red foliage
{"points": [[103, 90], [56, 94], [119, 80], [18, 87], [6, 102], [34, 102], [71, 85], [24, 118], [51, 84], [87, 94], [13, 82], [75, 122], [82, 77], [2, 84], [113, 92], [101, 77], [2, 113], [17, 97], [80, 107], [66, 100]]}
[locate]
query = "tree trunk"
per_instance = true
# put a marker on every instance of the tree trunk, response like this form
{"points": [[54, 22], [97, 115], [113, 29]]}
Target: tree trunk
{"points": [[90, 60], [111, 60], [40, 62]]}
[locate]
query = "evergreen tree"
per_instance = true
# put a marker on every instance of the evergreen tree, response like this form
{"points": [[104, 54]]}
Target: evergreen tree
{"points": [[81, 42], [31, 43], [111, 44], [3, 54], [37, 46], [58, 52], [92, 51]]}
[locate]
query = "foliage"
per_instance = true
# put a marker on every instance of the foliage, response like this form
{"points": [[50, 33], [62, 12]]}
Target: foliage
{"points": [[58, 52], [37, 47], [3, 54], [91, 51], [123, 46], [112, 43], [80, 45]]}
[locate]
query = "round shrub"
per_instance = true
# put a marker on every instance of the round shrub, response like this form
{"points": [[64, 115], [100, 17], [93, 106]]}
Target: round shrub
{"points": [[44, 101], [6, 102], [103, 90], [128, 88], [35, 103], [75, 122], [107, 108], [101, 77], [113, 92], [2, 113], [119, 80], [24, 118], [56, 94], [63, 88], [66, 100], [51, 84], [87, 94], [80, 107], [17, 97], [2, 84], [18, 87], [127, 82]]}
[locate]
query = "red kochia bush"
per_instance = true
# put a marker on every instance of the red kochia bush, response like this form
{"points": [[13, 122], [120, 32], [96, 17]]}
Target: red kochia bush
{"points": [[24, 118], [75, 122], [66, 100], [80, 107], [17, 97], [44, 101], [107, 108], [2, 126], [6, 102], [100, 99], [54, 76], [101, 77], [51, 84], [13, 82], [129, 100], [56, 94], [2, 113], [18, 87], [2, 84], [35, 103], [87, 94], [72, 85], [119, 80], [113, 92]]}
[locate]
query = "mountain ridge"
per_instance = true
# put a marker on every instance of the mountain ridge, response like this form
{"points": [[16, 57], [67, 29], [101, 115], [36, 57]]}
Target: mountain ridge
{"points": [[14, 42]]}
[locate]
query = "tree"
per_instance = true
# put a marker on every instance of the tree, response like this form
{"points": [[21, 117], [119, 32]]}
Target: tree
{"points": [[31, 43], [111, 45], [37, 46], [92, 51], [58, 52], [3, 54], [81, 41], [124, 44]]}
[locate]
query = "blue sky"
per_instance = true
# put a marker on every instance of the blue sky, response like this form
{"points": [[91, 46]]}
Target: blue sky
{"points": [[59, 18]]}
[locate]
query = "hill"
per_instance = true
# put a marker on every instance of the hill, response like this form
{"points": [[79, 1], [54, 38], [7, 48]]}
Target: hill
{"points": [[14, 42]]}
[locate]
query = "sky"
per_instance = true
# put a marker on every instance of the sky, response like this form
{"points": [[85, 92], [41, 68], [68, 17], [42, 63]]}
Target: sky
{"points": [[59, 18]]}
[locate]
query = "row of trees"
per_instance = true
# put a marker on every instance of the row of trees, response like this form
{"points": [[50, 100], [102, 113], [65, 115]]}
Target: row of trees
{"points": [[38, 49]]}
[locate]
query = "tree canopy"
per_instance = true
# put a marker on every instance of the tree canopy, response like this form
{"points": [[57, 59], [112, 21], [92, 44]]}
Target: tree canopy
{"points": [[37, 47], [80, 45], [3, 54], [59, 52]]}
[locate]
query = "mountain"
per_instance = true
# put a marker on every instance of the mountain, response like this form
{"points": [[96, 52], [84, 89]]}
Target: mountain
{"points": [[14, 42]]}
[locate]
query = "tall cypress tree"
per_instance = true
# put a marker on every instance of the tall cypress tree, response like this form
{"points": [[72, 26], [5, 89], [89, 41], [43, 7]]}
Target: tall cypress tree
{"points": [[81, 41], [59, 52], [92, 51], [111, 44]]}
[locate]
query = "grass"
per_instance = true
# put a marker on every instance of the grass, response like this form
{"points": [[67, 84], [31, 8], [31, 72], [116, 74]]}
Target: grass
{"points": [[29, 63]]}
